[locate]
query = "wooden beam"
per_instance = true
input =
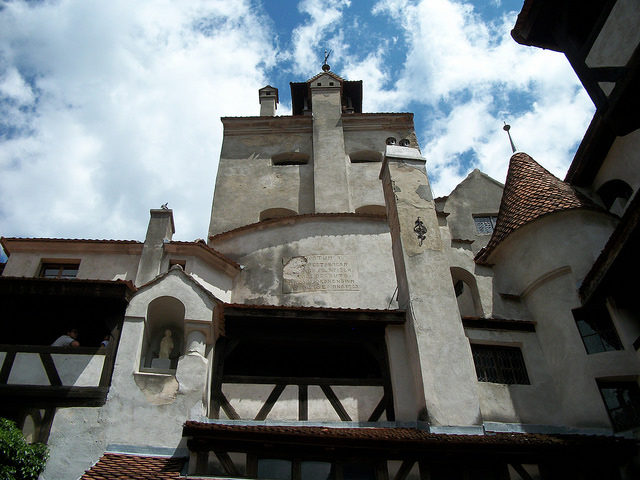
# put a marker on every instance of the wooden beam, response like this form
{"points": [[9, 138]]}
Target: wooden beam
{"points": [[52, 396], [303, 402], [377, 412], [216, 378], [227, 463], [404, 470], [111, 352], [521, 471], [50, 368], [254, 379], [6, 366], [226, 406], [202, 462], [271, 400], [335, 402]]}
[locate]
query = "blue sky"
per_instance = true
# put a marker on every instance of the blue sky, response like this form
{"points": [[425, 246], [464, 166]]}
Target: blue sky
{"points": [[107, 111]]}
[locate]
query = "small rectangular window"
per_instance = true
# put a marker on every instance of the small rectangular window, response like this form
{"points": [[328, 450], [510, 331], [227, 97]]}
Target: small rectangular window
{"points": [[485, 224], [596, 329], [59, 270], [622, 400], [498, 364]]}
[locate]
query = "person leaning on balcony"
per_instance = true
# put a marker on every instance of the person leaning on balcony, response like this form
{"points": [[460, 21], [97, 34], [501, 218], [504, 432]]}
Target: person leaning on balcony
{"points": [[67, 340]]}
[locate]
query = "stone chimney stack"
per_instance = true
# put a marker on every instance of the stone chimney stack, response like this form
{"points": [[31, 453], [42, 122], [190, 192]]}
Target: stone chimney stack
{"points": [[160, 231], [268, 101]]}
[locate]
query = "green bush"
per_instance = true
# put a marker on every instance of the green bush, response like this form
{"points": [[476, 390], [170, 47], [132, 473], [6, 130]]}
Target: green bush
{"points": [[19, 460]]}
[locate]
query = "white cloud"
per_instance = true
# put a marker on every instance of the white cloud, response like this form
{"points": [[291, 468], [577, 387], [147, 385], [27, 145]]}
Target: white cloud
{"points": [[127, 106], [324, 19], [468, 71]]}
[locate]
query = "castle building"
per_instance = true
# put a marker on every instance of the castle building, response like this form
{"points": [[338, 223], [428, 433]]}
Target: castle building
{"points": [[341, 323]]}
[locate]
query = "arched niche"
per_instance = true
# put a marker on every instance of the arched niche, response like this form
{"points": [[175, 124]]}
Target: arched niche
{"points": [[290, 158], [615, 194], [271, 213], [372, 210], [164, 334], [466, 289], [365, 156]]}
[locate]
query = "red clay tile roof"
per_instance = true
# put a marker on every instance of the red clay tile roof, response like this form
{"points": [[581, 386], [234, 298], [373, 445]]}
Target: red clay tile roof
{"points": [[117, 466], [201, 244], [530, 192], [309, 309], [4, 240], [394, 437]]}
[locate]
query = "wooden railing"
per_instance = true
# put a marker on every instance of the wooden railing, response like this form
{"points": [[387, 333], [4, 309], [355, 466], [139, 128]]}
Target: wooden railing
{"points": [[60, 376]]}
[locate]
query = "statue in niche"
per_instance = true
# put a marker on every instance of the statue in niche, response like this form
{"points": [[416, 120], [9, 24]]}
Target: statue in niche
{"points": [[166, 345]]}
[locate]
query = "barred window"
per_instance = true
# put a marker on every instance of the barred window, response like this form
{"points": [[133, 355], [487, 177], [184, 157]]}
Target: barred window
{"points": [[596, 329], [497, 364], [485, 224], [622, 400]]}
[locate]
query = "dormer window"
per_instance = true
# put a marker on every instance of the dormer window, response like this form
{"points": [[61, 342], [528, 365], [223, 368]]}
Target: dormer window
{"points": [[60, 269]]}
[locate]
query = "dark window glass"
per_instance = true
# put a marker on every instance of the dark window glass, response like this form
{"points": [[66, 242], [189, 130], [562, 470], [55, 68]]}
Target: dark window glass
{"points": [[486, 224], [498, 364], [622, 400], [596, 329], [59, 270]]}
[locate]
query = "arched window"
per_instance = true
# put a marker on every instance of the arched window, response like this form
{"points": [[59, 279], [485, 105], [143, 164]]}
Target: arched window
{"points": [[164, 334], [615, 194], [271, 213], [372, 210], [466, 289], [290, 158], [365, 156]]}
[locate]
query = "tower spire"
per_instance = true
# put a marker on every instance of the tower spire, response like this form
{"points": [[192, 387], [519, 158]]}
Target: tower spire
{"points": [[325, 65], [506, 128]]}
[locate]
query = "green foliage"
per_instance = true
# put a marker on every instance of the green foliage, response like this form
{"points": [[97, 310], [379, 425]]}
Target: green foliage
{"points": [[19, 460]]}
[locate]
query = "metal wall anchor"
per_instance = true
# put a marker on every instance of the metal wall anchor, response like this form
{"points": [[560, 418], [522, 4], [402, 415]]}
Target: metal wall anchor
{"points": [[420, 230]]}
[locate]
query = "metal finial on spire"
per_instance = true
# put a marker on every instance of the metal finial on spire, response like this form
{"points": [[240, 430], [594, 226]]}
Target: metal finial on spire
{"points": [[325, 65], [506, 128]]}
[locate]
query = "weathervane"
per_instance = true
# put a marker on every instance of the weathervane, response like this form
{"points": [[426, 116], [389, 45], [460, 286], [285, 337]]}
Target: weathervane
{"points": [[506, 128], [325, 65]]}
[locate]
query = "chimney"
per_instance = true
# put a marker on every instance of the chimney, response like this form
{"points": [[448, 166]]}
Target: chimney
{"points": [[268, 101], [159, 232]]}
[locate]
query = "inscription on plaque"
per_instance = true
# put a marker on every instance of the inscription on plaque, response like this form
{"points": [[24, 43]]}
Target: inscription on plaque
{"points": [[310, 273]]}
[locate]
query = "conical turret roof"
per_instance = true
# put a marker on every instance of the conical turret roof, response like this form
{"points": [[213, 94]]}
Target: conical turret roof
{"points": [[530, 192]]}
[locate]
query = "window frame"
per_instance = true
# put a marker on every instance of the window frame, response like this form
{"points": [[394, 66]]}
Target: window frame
{"points": [[634, 392], [60, 265], [602, 327], [514, 374]]}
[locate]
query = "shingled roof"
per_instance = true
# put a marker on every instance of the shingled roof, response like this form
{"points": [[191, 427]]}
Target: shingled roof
{"points": [[530, 192], [117, 466]]}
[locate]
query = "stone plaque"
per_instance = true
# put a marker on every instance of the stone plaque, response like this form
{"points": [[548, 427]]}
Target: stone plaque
{"points": [[310, 273]]}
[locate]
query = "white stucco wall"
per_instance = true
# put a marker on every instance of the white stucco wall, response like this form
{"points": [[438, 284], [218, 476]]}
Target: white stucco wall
{"points": [[621, 162], [142, 409], [261, 251], [544, 263], [618, 38], [94, 266]]}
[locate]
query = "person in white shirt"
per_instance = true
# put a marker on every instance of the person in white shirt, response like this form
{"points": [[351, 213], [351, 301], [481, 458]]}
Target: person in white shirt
{"points": [[67, 340]]}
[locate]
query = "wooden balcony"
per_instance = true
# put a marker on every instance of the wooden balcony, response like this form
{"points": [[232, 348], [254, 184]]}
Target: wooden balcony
{"points": [[62, 376]]}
